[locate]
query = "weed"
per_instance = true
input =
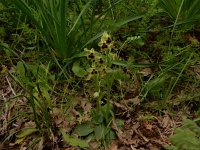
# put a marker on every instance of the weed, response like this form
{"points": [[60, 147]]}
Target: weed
{"points": [[186, 137], [98, 70]]}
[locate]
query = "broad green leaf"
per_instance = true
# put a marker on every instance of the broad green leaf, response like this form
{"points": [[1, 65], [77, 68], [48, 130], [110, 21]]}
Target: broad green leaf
{"points": [[126, 20], [74, 141], [80, 15], [20, 69], [99, 132], [2, 32], [120, 63], [79, 55], [76, 68], [156, 83], [110, 136], [18, 141], [84, 129], [98, 117], [26, 132], [107, 111]]}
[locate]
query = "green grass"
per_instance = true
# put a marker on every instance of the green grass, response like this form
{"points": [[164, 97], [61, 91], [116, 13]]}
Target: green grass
{"points": [[182, 11]]}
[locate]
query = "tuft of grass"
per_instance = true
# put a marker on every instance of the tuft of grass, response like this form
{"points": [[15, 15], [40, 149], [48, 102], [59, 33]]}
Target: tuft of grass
{"points": [[68, 27], [182, 11]]}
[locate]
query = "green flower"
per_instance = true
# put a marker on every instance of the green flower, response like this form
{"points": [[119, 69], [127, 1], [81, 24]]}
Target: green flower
{"points": [[105, 43], [113, 56], [92, 54], [101, 61], [91, 71]]}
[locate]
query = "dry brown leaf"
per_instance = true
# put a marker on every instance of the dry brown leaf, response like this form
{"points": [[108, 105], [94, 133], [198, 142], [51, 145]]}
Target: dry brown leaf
{"points": [[119, 105], [149, 127], [135, 101], [93, 144], [29, 124], [86, 106], [197, 72], [146, 71], [123, 136], [142, 136], [74, 112], [153, 147], [166, 121], [40, 144], [23, 148], [193, 39], [56, 111], [113, 146], [84, 117]]}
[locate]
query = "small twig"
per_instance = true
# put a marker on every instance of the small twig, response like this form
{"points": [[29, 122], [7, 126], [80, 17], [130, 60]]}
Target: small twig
{"points": [[10, 86], [160, 134], [133, 148], [6, 114], [6, 109], [121, 136], [142, 136]]}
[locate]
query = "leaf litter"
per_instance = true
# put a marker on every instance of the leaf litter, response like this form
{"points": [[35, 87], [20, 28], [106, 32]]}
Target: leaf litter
{"points": [[149, 134], [141, 131]]}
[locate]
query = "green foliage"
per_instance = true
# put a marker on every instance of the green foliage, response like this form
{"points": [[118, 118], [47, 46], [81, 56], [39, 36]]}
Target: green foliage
{"points": [[78, 70], [182, 11], [24, 134], [96, 67], [68, 27], [2, 32], [186, 137], [16, 29], [74, 141], [84, 129], [156, 86], [35, 80], [49, 17], [99, 128], [21, 73]]}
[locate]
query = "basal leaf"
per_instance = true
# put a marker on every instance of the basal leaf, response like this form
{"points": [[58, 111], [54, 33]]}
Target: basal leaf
{"points": [[84, 129], [74, 141], [110, 136], [18, 141], [99, 132], [78, 71], [20, 70], [26, 132]]}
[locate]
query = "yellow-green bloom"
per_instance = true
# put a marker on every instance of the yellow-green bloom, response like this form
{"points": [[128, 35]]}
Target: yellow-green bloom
{"points": [[91, 71], [113, 56], [105, 36], [92, 54], [106, 42]]}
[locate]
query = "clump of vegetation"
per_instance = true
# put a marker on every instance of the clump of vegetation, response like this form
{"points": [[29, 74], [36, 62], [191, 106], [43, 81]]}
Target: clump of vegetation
{"points": [[186, 137], [100, 74]]}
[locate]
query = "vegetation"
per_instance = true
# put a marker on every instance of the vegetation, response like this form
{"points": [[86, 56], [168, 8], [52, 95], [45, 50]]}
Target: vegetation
{"points": [[99, 74], [186, 137]]}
